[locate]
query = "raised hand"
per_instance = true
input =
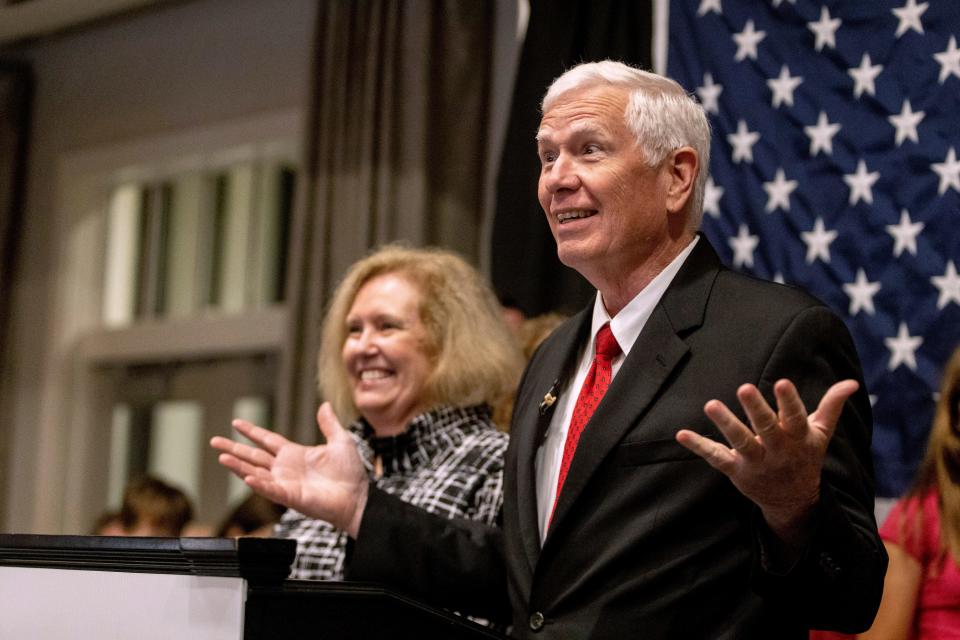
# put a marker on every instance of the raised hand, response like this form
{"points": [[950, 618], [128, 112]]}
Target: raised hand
{"points": [[777, 463], [327, 481]]}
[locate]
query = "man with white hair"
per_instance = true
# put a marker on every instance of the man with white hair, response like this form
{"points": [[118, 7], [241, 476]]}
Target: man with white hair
{"points": [[645, 493]]}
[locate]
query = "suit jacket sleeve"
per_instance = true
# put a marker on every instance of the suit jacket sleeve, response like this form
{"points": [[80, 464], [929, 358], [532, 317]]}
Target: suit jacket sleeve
{"points": [[451, 563], [839, 578]]}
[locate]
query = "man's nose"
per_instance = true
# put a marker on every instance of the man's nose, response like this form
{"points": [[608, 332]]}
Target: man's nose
{"points": [[563, 174]]}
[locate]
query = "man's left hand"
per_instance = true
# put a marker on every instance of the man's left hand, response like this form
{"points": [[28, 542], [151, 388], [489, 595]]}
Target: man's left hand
{"points": [[777, 464]]}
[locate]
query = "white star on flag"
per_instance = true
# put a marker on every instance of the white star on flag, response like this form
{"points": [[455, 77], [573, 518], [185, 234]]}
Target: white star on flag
{"points": [[861, 183], [906, 123], [711, 197], [825, 30], [905, 234], [949, 286], [949, 172], [861, 292], [747, 41], [742, 142], [949, 60], [864, 76], [706, 6], [709, 93], [903, 348], [743, 245], [783, 87], [821, 135], [778, 191], [870, 137], [818, 242], [909, 16]]}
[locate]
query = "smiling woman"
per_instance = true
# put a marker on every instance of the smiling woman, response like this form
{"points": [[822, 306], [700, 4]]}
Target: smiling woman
{"points": [[414, 353], [386, 354]]}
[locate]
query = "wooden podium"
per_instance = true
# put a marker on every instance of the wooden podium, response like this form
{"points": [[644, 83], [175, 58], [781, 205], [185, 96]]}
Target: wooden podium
{"points": [[80, 587]]}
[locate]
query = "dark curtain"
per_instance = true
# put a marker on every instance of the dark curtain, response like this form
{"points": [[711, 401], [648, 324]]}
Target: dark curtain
{"points": [[395, 139], [14, 109], [524, 264], [15, 94]]}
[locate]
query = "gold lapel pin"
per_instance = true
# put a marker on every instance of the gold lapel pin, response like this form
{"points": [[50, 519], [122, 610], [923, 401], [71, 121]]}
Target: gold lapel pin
{"points": [[548, 401]]}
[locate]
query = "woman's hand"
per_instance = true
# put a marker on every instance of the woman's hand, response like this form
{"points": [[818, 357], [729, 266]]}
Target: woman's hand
{"points": [[327, 482]]}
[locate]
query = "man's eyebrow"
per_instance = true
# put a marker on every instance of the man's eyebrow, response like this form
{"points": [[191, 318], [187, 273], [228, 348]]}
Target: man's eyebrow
{"points": [[576, 129]]}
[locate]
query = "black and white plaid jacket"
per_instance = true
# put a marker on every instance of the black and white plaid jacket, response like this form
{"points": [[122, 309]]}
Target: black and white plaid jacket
{"points": [[449, 462]]}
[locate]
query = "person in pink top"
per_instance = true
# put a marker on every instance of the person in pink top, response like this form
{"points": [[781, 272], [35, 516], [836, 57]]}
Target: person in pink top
{"points": [[921, 593]]}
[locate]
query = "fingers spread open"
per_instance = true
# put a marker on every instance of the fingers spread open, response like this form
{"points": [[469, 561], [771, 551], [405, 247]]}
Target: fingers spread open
{"points": [[267, 440], [762, 418], [831, 405], [246, 453], [737, 434], [718, 456], [793, 415], [239, 467], [221, 443]]}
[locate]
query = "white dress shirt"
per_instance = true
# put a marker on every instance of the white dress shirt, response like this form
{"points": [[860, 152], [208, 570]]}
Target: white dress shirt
{"points": [[626, 326]]}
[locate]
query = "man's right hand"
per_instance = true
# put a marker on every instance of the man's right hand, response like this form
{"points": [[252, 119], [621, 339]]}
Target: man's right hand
{"points": [[327, 482]]}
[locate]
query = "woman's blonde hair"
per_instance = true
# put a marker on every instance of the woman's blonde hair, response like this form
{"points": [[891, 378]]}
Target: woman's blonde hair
{"points": [[940, 468], [475, 359]]}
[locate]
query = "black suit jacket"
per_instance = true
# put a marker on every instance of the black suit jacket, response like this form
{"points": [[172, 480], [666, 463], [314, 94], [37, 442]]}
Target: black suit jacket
{"points": [[647, 540]]}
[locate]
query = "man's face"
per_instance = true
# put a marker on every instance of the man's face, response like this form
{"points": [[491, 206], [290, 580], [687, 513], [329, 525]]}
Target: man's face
{"points": [[605, 206]]}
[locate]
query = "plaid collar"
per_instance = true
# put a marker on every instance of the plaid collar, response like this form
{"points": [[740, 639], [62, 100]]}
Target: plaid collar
{"points": [[429, 433]]}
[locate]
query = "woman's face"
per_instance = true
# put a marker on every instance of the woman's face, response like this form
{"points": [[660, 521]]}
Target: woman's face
{"points": [[385, 353]]}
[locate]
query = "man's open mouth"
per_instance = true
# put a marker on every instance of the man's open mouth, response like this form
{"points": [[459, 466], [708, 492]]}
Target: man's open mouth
{"points": [[566, 216]]}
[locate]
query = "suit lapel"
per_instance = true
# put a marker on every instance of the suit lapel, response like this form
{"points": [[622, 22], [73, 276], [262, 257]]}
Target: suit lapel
{"points": [[659, 350], [554, 365], [654, 355]]}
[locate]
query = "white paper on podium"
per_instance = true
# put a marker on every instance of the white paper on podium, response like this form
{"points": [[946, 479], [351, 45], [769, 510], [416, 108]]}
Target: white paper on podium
{"points": [[63, 604]]}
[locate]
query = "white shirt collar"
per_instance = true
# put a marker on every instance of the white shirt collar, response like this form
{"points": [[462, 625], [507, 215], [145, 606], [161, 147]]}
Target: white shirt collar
{"points": [[628, 323]]}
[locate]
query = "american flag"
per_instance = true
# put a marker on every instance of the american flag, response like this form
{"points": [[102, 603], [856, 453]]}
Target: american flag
{"points": [[836, 167]]}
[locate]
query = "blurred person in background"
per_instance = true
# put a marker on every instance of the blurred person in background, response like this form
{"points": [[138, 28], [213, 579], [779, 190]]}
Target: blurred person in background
{"points": [[254, 517], [107, 524], [152, 507], [535, 330], [921, 593], [529, 334], [513, 315]]}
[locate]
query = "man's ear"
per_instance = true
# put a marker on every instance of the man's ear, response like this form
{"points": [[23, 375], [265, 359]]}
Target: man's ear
{"points": [[683, 165]]}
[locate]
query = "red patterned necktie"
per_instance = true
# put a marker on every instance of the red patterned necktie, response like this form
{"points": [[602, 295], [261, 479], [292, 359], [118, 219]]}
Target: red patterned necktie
{"points": [[591, 393]]}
